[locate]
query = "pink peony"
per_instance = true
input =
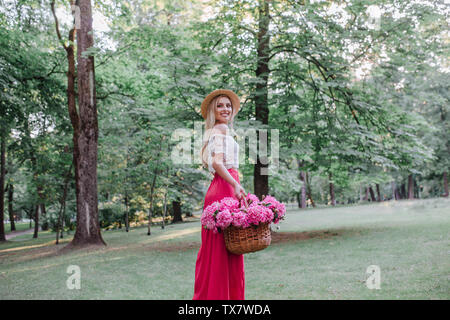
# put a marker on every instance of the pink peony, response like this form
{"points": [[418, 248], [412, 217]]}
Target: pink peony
{"points": [[229, 203], [271, 201], [251, 199], [240, 219], [208, 218], [229, 211], [279, 209], [267, 214], [255, 214], [223, 219]]}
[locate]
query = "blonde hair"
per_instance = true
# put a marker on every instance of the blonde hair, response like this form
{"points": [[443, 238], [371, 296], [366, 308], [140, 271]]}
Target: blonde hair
{"points": [[210, 121]]}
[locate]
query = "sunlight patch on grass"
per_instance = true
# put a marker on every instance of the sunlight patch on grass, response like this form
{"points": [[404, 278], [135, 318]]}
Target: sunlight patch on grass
{"points": [[46, 244], [176, 234]]}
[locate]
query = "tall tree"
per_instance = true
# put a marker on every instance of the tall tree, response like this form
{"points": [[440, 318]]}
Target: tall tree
{"points": [[10, 205], [85, 131], [2, 182], [260, 174]]}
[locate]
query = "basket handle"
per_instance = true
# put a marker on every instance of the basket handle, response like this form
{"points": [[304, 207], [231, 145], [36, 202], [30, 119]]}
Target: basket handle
{"points": [[245, 202]]}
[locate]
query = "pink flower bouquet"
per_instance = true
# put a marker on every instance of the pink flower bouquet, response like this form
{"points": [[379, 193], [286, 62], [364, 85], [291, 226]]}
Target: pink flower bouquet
{"points": [[229, 211]]}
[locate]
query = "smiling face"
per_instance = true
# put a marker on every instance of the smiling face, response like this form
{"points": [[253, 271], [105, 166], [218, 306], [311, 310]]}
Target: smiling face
{"points": [[223, 111]]}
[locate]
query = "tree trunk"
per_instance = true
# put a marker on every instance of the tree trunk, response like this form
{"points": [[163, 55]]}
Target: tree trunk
{"points": [[403, 191], [444, 176], [366, 194], [44, 216], [10, 206], [308, 190], [150, 210], [85, 136], [176, 205], [397, 194], [30, 215], [127, 213], [59, 232], [394, 190], [416, 188], [260, 174], [164, 211], [149, 225], [127, 224], [372, 194], [63, 220], [378, 192], [331, 185], [39, 191], [36, 221], [302, 193], [155, 175], [2, 183], [410, 187]]}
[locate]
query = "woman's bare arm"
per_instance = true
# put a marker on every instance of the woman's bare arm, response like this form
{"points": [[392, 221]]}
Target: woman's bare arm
{"points": [[223, 172], [219, 167]]}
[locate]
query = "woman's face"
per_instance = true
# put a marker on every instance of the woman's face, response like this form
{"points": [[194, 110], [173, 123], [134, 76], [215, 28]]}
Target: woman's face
{"points": [[223, 111]]}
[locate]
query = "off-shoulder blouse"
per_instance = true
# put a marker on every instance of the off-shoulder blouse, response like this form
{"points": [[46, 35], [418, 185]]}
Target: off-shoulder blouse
{"points": [[221, 143]]}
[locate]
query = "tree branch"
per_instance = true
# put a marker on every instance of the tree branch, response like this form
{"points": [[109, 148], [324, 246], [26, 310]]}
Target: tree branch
{"points": [[57, 26]]}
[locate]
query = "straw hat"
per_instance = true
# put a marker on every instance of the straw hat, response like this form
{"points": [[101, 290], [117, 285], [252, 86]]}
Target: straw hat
{"points": [[230, 94]]}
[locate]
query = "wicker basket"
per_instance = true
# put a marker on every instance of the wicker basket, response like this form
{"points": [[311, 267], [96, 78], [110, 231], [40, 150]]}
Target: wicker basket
{"points": [[246, 240]]}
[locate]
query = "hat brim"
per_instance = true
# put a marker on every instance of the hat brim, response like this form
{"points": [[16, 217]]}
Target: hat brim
{"points": [[230, 94]]}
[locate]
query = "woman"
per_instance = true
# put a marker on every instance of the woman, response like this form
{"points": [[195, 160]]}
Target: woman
{"points": [[219, 274]]}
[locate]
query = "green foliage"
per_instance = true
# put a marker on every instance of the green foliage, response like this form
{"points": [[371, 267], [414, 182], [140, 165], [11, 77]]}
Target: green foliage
{"points": [[158, 61], [110, 214]]}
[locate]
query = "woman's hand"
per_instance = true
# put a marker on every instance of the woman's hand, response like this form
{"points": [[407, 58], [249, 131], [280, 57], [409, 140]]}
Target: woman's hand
{"points": [[239, 192]]}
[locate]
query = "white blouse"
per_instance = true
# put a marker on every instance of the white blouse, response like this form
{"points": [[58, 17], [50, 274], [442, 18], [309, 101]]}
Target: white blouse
{"points": [[221, 143]]}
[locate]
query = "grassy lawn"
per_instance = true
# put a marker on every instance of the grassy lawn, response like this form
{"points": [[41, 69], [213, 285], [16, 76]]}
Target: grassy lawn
{"points": [[20, 226], [316, 254]]}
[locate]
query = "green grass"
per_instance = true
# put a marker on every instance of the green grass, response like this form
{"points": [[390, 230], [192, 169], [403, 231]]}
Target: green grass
{"points": [[316, 254], [20, 226]]}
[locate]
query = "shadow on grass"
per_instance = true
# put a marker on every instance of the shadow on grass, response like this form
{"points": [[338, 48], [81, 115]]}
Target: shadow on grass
{"points": [[160, 243], [32, 252], [172, 247], [47, 250], [288, 237]]}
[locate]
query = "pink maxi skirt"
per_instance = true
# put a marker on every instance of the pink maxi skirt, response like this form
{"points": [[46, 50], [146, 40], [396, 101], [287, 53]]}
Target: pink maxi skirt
{"points": [[219, 274]]}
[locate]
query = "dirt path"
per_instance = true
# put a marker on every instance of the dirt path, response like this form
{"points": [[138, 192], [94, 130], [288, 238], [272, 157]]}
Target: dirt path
{"points": [[14, 234]]}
